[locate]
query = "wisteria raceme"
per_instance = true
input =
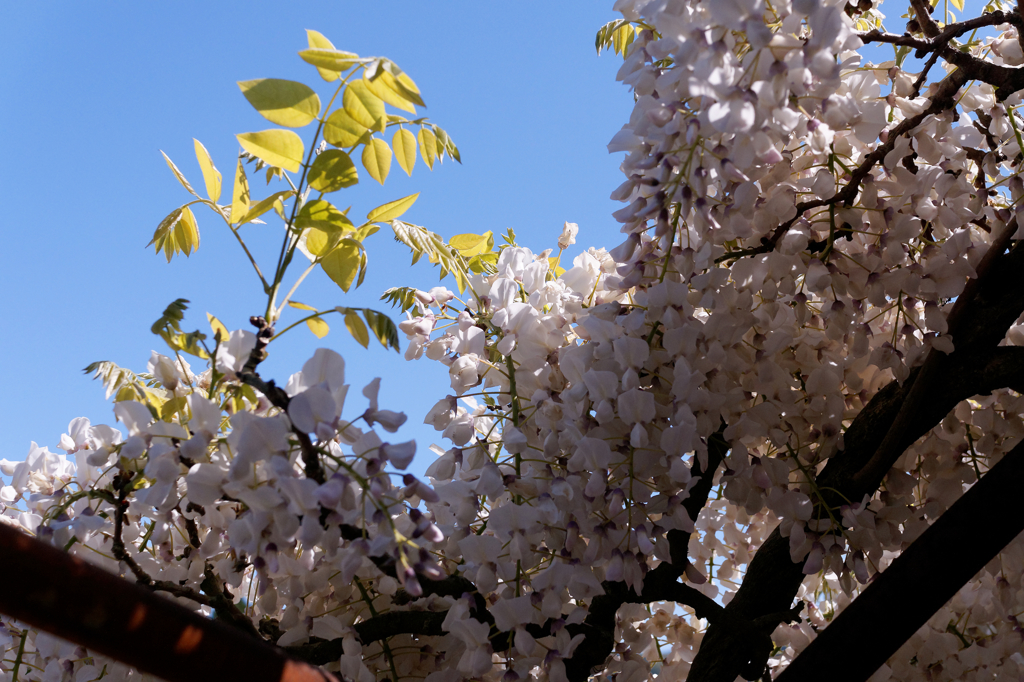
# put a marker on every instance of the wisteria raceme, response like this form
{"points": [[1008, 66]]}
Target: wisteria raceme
{"points": [[683, 456]]}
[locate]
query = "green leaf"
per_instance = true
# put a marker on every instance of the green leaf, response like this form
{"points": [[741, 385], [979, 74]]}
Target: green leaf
{"points": [[264, 205], [240, 194], [317, 39], [472, 244], [211, 176], [401, 297], [392, 209], [362, 105], [164, 229], [424, 242], [318, 327], [171, 319], [342, 130], [330, 59], [382, 327], [428, 146], [114, 378], [404, 143], [377, 159], [331, 170], [301, 306], [275, 146], [172, 407], [342, 265], [446, 145], [178, 174], [357, 329], [220, 332], [322, 215], [186, 232], [286, 103], [391, 90]]}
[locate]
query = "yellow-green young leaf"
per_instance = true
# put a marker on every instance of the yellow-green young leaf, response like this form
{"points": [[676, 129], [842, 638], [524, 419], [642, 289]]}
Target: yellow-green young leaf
{"points": [[240, 195], [317, 39], [428, 146], [172, 407], [357, 329], [959, 4], [471, 244], [342, 130], [387, 88], [392, 209], [220, 332], [275, 146], [362, 105], [211, 176], [186, 232], [164, 229], [404, 143], [332, 170], [320, 242], [342, 265], [178, 174], [301, 306], [264, 205], [323, 216], [286, 103], [555, 267], [377, 159], [334, 60], [318, 327]]}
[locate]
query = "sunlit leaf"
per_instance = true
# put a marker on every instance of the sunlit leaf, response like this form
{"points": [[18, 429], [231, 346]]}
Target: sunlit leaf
{"points": [[264, 205], [220, 332], [322, 215], [389, 89], [377, 159], [428, 146], [186, 232], [284, 102], [403, 298], [301, 306], [211, 176], [332, 170], [342, 265], [318, 327], [404, 143], [342, 130], [172, 407], [178, 174], [164, 229], [357, 329], [333, 60], [392, 209], [362, 105], [472, 244], [240, 194], [317, 39], [275, 146]]}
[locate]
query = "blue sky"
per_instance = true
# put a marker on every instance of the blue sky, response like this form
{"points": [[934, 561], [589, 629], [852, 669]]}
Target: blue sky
{"points": [[94, 91]]}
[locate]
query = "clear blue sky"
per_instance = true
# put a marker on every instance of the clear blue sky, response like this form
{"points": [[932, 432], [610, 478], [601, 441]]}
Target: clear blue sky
{"points": [[93, 91]]}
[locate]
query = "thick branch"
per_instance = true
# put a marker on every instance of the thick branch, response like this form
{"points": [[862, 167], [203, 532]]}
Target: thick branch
{"points": [[977, 367], [67, 597], [920, 580]]}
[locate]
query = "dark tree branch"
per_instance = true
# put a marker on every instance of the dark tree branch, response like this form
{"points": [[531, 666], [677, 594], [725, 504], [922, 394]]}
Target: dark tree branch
{"points": [[978, 366], [920, 580], [67, 597]]}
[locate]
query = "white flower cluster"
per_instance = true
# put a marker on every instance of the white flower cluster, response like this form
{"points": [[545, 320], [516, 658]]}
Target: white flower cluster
{"points": [[222, 489], [741, 298]]}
